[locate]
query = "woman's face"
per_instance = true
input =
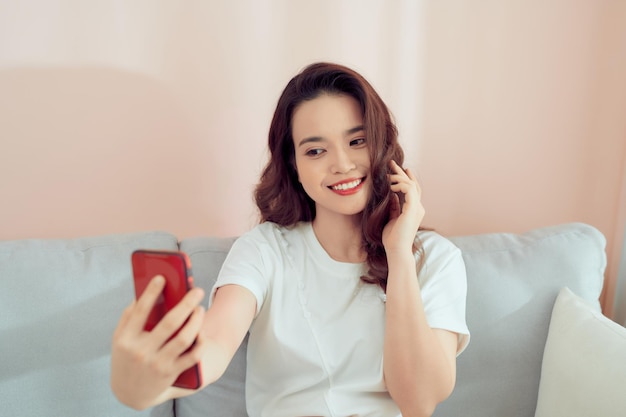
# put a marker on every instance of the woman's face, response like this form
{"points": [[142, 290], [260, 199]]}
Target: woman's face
{"points": [[332, 154]]}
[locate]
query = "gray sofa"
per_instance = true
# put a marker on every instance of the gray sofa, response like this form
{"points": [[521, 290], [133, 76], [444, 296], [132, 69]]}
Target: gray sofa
{"points": [[60, 301]]}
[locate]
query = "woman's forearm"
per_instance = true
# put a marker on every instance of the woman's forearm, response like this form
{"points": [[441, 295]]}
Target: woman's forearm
{"points": [[418, 372]]}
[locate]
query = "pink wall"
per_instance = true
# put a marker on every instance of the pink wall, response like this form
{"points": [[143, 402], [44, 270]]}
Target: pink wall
{"points": [[525, 118], [128, 118]]}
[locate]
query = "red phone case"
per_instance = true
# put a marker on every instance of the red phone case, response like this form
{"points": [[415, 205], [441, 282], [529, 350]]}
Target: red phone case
{"points": [[176, 268]]}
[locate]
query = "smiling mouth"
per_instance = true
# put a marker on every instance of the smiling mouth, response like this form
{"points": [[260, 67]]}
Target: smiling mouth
{"points": [[346, 186]]}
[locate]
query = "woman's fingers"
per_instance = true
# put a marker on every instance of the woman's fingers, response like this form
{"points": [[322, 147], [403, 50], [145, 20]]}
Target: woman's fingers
{"points": [[134, 318], [409, 173], [145, 363], [176, 317], [395, 209], [185, 336], [405, 186], [124, 318], [403, 181], [141, 308], [190, 347]]}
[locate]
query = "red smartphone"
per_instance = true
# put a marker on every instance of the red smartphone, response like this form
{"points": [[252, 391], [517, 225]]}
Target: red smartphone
{"points": [[176, 268]]}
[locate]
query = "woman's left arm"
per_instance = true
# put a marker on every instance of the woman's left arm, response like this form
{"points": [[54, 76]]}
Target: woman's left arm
{"points": [[419, 362]]}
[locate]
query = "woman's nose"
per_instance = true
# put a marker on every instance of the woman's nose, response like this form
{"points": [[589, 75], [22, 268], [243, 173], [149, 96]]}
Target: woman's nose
{"points": [[342, 162]]}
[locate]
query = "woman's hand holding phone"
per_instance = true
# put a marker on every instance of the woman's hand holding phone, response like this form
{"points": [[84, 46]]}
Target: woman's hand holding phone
{"points": [[145, 364]]}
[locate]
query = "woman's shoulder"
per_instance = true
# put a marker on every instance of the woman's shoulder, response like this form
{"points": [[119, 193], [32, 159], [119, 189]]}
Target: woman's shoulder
{"points": [[268, 245], [272, 235], [443, 260], [262, 229], [270, 231], [435, 243]]}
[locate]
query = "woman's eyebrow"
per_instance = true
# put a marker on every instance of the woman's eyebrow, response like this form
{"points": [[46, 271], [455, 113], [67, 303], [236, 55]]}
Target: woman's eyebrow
{"points": [[311, 139], [354, 130], [316, 139]]}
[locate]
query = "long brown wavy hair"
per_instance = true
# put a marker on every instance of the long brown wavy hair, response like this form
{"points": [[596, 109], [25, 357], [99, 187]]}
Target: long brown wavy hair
{"points": [[280, 196]]}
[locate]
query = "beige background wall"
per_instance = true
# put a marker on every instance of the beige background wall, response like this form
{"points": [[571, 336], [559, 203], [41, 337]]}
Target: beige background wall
{"points": [[121, 116]]}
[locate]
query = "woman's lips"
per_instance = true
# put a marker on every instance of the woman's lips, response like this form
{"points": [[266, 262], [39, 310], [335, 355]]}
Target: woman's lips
{"points": [[347, 187]]}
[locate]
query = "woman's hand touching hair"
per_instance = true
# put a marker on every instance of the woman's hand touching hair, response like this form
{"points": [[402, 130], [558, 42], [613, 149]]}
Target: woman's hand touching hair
{"points": [[404, 218]]}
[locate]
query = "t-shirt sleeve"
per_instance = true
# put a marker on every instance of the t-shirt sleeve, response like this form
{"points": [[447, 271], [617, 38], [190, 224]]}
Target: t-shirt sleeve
{"points": [[245, 265], [443, 284]]}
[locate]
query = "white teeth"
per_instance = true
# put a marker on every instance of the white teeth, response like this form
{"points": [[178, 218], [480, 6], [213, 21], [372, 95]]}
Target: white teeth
{"points": [[346, 185]]}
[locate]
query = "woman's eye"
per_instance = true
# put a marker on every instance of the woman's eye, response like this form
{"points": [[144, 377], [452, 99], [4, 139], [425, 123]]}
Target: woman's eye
{"points": [[357, 142], [314, 152]]}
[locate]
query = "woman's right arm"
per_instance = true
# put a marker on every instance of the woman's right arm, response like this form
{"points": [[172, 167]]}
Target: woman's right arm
{"points": [[145, 364]]}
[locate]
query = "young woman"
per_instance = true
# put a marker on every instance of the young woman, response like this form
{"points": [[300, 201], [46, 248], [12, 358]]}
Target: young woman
{"points": [[351, 309]]}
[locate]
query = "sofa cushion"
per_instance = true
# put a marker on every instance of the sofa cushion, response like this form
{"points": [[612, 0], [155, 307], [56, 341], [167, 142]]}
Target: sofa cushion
{"points": [[513, 281], [60, 301], [584, 363]]}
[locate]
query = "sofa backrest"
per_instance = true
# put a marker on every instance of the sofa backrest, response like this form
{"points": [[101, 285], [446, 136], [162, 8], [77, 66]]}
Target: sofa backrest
{"points": [[60, 301], [513, 281]]}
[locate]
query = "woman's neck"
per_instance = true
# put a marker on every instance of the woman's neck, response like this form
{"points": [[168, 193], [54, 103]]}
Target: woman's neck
{"points": [[340, 236]]}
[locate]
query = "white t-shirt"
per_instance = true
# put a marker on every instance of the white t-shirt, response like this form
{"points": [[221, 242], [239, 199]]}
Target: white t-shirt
{"points": [[316, 343]]}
